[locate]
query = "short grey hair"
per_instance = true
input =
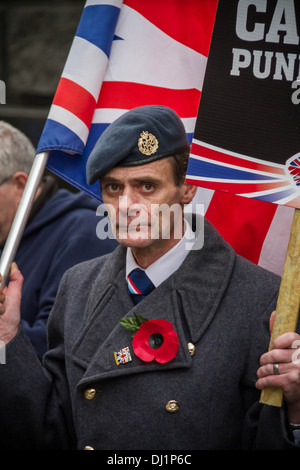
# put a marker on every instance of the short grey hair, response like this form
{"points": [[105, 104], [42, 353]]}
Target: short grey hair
{"points": [[16, 151]]}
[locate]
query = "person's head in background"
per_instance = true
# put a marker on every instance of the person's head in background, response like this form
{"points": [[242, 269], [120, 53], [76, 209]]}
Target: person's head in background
{"points": [[16, 157]]}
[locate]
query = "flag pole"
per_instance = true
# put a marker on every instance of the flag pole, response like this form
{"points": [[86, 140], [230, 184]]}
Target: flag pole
{"points": [[22, 214], [288, 303]]}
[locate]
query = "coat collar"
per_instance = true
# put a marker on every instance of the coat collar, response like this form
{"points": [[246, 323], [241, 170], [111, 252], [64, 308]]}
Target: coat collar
{"points": [[188, 299]]}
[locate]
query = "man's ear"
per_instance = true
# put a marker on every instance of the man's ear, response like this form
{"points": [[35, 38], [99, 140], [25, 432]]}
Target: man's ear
{"points": [[19, 180], [188, 193]]}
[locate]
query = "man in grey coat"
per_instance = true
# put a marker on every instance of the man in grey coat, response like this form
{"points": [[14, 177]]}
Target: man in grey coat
{"points": [[177, 367]]}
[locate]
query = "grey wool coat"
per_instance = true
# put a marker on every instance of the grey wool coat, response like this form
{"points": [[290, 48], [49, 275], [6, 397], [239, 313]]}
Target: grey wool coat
{"points": [[82, 399]]}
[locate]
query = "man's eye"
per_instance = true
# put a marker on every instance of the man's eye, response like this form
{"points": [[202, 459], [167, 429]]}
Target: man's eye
{"points": [[113, 187], [147, 186]]}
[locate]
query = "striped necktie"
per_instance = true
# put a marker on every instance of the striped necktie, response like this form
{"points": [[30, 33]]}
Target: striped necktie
{"points": [[139, 285]]}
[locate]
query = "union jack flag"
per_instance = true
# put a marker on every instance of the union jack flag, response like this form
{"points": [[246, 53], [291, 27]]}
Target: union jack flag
{"points": [[125, 54], [133, 53]]}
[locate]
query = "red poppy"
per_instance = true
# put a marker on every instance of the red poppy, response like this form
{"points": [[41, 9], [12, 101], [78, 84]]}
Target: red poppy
{"points": [[155, 340]]}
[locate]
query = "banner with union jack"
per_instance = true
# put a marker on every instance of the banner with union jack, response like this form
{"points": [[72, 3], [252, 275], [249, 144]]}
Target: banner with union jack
{"points": [[131, 53], [246, 139], [125, 54]]}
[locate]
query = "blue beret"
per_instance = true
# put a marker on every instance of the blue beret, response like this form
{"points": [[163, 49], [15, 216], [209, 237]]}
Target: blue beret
{"points": [[141, 135]]}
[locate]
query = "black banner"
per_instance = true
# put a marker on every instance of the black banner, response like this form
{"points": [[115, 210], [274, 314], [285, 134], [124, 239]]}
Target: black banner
{"points": [[250, 100]]}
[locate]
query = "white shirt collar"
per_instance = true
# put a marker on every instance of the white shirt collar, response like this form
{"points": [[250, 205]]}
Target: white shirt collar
{"points": [[168, 263]]}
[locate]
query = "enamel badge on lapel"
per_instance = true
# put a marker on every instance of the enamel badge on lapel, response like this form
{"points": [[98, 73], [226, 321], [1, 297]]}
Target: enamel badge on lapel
{"points": [[123, 356], [152, 339]]}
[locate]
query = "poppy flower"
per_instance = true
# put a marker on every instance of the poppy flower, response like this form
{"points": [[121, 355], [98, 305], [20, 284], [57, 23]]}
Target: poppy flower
{"points": [[155, 340]]}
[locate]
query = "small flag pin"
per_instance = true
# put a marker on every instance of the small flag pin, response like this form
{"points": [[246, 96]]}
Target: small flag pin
{"points": [[122, 356]]}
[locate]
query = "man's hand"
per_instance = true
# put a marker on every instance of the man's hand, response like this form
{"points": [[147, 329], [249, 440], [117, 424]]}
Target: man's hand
{"points": [[286, 374], [10, 304]]}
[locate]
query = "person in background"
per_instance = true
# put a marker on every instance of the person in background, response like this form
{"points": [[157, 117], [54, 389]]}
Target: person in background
{"points": [[60, 232]]}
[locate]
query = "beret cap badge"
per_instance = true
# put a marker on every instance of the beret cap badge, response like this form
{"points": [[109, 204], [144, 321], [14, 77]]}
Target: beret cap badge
{"points": [[147, 143], [124, 144]]}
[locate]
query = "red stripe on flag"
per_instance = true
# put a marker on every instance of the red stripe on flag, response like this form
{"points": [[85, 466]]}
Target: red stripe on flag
{"points": [[235, 188], [222, 157], [126, 95], [243, 223], [197, 35], [75, 99]]}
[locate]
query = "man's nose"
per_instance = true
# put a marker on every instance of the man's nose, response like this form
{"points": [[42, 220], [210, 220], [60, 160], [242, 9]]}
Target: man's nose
{"points": [[130, 206], [128, 200]]}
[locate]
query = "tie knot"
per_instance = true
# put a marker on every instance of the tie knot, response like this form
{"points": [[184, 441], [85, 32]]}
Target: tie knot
{"points": [[139, 283]]}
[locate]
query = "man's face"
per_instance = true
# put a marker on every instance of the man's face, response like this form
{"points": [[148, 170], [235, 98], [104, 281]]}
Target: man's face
{"points": [[133, 196], [9, 201]]}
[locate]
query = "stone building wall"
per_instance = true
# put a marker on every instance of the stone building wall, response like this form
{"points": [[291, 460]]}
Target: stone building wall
{"points": [[35, 38]]}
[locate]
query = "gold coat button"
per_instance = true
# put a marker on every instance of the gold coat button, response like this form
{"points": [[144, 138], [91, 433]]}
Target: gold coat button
{"points": [[88, 448], [191, 348], [172, 406], [89, 393]]}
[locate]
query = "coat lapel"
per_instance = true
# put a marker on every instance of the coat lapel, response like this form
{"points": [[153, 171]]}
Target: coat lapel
{"points": [[202, 280], [105, 335], [188, 299]]}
